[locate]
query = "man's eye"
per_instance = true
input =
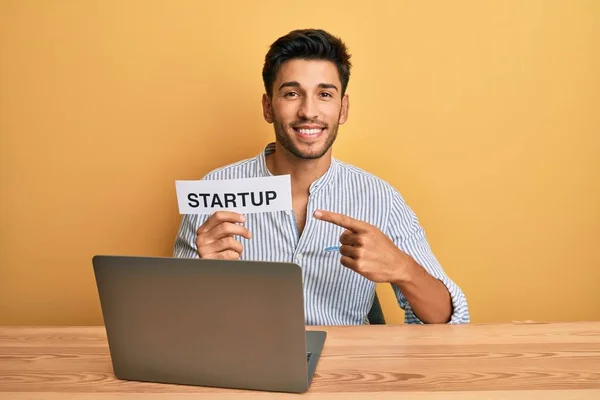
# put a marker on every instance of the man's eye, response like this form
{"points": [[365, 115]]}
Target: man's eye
{"points": [[291, 94], [326, 94]]}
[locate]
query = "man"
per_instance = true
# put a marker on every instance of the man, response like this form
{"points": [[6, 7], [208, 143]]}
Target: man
{"points": [[348, 229]]}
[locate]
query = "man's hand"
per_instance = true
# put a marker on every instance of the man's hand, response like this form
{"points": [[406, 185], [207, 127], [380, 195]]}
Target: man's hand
{"points": [[367, 250], [214, 238]]}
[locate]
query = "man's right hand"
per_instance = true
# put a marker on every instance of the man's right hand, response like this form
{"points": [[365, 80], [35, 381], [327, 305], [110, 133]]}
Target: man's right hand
{"points": [[214, 238]]}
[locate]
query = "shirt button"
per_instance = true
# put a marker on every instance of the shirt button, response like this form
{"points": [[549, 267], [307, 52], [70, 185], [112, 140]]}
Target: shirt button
{"points": [[299, 257]]}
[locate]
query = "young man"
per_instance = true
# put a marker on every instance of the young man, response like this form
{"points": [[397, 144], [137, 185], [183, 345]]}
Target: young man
{"points": [[334, 204]]}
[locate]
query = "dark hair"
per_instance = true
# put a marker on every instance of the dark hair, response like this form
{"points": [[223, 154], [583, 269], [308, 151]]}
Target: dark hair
{"points": [[306, 44]]}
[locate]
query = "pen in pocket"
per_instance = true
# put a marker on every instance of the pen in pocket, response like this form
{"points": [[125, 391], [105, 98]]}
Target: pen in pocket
{"points": [[332, 248]]}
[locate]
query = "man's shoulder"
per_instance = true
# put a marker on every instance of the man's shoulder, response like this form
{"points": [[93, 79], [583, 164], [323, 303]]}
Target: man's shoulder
{"points": [[362, 177], [246, 168]]}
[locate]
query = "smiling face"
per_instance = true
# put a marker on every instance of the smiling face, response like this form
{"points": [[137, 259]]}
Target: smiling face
{"points": [[307, 107]]}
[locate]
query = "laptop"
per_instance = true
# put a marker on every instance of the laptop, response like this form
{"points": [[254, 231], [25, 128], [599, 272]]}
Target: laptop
{"points": [[217, 323]]}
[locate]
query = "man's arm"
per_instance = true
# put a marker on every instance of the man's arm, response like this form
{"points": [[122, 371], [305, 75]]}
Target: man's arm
{"points": [[426, 293], [428, 297], [400, 255], [185, 241]]}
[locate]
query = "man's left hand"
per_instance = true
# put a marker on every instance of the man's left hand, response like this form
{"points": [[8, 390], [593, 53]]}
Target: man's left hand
{"points": [[367, 250]]}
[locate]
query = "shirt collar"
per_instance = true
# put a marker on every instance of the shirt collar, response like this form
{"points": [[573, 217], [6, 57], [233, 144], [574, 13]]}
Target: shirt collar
{"points": [[316, 186]]}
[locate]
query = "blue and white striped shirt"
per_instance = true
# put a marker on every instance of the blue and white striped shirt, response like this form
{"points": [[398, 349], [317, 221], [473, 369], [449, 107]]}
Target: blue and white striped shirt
{"points": [[333, 294]]}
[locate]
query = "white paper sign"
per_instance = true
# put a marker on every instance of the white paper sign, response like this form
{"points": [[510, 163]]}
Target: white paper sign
{"points": [[244, 196]]}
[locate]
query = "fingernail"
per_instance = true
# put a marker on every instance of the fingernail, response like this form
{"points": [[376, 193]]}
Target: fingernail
{"points": [[242, 218], [318, 214]]}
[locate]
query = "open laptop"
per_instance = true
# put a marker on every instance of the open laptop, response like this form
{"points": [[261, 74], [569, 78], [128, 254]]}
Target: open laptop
{"points": [[230, 324]]}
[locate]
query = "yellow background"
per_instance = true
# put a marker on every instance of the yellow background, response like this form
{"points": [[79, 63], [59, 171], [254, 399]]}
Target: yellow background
{"points": [[485, 115]]}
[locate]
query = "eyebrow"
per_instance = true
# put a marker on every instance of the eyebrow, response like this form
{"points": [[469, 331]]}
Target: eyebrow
{"points": [[320, 85]]}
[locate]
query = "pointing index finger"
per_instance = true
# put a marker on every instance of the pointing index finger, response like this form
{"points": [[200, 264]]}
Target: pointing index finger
{"points": [[342, 220]]}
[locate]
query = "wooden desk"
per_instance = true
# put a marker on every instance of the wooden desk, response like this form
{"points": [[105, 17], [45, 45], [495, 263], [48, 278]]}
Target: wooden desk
{"points": [[513, 361]]}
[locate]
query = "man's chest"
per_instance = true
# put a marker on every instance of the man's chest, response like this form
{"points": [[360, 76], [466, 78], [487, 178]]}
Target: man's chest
{"points": [[299, 204], [291, 235]]}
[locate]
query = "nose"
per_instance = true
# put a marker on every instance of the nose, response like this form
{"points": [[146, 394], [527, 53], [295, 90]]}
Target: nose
{"points": [[308, 109]]}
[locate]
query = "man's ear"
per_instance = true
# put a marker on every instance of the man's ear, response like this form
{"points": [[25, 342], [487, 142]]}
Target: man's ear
{"points": [[267, 108], [345, 109]]}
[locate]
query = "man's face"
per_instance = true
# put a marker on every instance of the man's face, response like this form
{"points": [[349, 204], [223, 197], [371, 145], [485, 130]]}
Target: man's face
{"points": [[307, 107]]}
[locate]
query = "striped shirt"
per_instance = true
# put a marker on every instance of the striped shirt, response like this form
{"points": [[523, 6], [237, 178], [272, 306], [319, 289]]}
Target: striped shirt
{"points": [[333, 294]]}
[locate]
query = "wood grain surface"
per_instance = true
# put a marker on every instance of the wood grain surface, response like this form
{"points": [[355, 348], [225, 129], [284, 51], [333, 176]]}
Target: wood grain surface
{"points": [[495, 361]]}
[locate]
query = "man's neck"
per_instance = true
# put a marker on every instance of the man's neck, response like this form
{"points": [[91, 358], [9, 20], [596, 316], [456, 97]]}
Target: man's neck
{"points": [[303, 172]]}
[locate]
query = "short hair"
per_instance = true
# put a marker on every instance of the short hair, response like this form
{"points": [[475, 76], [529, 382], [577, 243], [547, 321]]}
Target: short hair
{"points": [[306, 44]]}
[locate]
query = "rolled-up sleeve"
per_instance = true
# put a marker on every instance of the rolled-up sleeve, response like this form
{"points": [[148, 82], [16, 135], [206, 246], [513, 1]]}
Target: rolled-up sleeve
{"points": [[404, 229]]}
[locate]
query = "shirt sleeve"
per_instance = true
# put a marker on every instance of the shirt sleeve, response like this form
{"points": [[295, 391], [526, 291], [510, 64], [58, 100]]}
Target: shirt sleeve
{"points": [[185, 241], [405, 231]]}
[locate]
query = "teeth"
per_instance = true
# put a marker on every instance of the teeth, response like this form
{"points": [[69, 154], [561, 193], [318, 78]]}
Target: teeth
{"points": [[309, 131]]}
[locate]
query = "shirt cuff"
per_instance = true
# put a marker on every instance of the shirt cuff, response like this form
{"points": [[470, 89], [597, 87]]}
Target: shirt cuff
{"points": [[460, 310]]}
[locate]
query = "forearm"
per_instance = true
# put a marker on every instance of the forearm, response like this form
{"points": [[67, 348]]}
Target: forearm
{"points": [[428, 297]]}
